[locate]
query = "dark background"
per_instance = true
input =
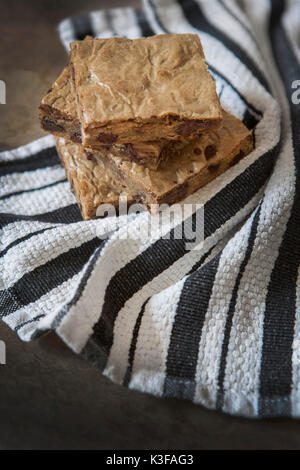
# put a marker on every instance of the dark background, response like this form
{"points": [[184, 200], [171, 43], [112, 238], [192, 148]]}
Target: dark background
{"points": [[49, 397]]}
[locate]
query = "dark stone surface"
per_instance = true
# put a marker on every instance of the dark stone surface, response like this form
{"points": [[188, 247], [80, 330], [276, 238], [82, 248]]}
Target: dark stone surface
{"points": [[49, 397], [52, 399]]}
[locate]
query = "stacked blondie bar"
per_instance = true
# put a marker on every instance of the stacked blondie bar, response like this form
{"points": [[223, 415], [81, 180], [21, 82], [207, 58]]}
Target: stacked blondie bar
{"points": [[140, 119]]}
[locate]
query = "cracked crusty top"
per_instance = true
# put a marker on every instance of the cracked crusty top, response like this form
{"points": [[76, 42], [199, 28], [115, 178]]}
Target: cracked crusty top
{"points": [[120, 79]]}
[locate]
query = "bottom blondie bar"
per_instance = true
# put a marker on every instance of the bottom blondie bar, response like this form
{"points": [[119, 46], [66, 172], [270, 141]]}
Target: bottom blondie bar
{"points": [[197, 164], [89, 179], [98, 178]]}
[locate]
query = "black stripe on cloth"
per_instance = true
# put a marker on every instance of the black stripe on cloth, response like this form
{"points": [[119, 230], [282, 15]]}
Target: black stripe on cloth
{"points": [[183, 349], [241, 5], [64, 215], [143, 24], [231, 310], [82, 26], [81, 286], [43, 279], [163, 253], [221, 91], [133, 344], [32, 320], [23, 239], [42, 159], [17, 193], [233, 197], [197, 19], [199, 263], [280, 310], [250, 120]]}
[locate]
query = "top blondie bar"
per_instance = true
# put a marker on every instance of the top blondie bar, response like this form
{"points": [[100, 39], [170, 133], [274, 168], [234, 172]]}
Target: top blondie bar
{"points": [[137, 90]]}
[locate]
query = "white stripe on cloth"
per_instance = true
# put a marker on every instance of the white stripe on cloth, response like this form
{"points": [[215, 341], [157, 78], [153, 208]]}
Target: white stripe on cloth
{"points": [[100, 25], [149, 367], [17, 230], [66, 32], [235, 7], [25, 151], [213, 328], [219, 17], [31, 179], [229, 96], [290, 21], [49, 199], [118, 21], [124, 23]]}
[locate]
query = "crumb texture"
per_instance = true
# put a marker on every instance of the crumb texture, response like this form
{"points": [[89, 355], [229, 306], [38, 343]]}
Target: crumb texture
{"points": [[89, 180]]}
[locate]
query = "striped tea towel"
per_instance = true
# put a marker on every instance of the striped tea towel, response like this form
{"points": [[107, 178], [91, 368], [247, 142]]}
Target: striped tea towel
{"points": [[219, 326]]}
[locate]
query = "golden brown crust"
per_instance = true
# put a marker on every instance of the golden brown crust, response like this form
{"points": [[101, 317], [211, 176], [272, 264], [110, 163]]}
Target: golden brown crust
{"points": [[143, 89], [89, 179]]}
